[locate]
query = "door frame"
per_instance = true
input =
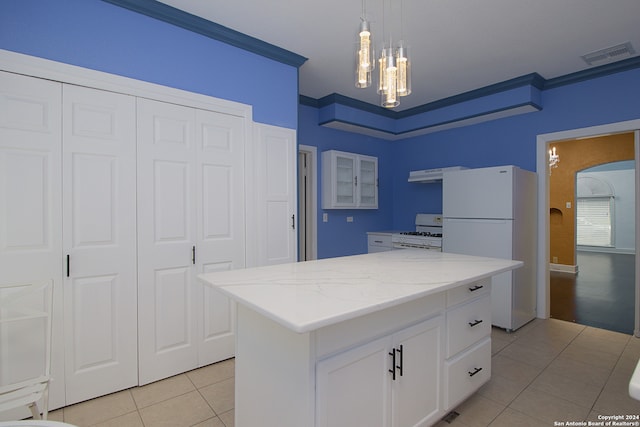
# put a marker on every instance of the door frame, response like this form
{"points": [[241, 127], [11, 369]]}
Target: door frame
{"points": [[542, 166], [311, 210]]}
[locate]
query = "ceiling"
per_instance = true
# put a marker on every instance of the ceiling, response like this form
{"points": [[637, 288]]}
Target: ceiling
{"points": [[456, 45]]}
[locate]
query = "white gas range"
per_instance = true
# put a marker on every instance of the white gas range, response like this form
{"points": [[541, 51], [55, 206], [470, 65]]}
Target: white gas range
{"points": [[428, 234]]}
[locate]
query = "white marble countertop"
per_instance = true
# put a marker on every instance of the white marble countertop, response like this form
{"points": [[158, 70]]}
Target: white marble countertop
{"points": [[306, 296]]}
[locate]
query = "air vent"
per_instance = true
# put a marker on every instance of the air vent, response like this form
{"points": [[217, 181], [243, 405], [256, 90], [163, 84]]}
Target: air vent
{"points": [[609, 54]]}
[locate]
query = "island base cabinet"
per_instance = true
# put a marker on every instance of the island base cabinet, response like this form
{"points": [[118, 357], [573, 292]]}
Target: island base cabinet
{"points": [[393, 381]]}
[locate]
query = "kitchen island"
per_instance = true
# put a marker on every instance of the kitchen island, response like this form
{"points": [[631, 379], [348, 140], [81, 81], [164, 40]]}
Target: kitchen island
{"points": [[393, 338]]}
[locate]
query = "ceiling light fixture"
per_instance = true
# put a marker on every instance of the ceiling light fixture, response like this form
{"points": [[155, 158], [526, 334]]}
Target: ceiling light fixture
{"points": [[364, 53], [554, 159], [394, 76]]}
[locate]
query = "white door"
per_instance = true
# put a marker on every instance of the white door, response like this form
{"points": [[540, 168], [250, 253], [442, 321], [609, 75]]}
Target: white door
{"points": [[416, 393], [99, 214], [275, 187], [353, 387], [221, 221], [166, 240], [30, 196]]}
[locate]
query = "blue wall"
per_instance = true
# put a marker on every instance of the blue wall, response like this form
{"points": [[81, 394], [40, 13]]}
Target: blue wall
{"points": [[100, 36], [337, 237], [512, 140]]}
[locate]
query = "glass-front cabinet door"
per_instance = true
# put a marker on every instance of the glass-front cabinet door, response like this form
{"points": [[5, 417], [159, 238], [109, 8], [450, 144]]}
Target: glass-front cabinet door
{"points": [[345, 180], [368, 181]]}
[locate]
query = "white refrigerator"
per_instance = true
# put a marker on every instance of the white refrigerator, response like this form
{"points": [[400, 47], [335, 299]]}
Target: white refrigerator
{"points": [[492, 212]]}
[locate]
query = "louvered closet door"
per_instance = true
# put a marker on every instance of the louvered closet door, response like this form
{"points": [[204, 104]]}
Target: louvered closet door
{"points": [[221, 221], [99, 211], [30, 201], [166, 238]]}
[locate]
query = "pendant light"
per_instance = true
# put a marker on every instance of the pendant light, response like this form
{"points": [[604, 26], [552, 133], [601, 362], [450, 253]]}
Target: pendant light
{"points": [[394, 75], [404, 70], [364, 53]]}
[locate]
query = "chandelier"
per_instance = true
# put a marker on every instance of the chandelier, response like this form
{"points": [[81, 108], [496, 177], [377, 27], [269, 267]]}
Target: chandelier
{"points": [[554, 159], [394, 75]]}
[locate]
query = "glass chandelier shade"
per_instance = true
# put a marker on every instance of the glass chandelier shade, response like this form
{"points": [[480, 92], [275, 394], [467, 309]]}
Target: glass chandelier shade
{"points": [[404, 70], [389, 79], [364, 56]]}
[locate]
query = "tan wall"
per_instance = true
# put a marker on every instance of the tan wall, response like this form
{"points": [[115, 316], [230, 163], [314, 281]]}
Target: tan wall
{"points": [[576, 155]]}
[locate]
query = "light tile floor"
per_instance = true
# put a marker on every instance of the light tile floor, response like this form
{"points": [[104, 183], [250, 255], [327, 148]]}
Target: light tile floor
{"points": [[548, 371]]}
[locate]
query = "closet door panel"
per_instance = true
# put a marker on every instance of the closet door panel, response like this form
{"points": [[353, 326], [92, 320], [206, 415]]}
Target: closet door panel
{"points": [[221, 221], [166, 240], [30, 197], [276, 194], [99, 208]]}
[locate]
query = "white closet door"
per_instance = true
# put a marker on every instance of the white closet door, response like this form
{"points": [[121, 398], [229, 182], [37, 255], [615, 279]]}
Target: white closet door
{"points": [[30, 201], [221, 221], [275, 186], [99, 212], [166, 238]]}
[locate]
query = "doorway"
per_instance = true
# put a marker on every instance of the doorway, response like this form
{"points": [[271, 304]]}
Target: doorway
{"points": [[592, 201], [307, 203], [543, 309]]}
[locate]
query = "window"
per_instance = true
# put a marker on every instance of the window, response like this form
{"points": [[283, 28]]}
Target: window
{"points": [[594, 221]]}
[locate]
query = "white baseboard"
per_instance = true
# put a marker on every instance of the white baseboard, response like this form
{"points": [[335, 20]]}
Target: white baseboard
{"points": [[563, 268]]}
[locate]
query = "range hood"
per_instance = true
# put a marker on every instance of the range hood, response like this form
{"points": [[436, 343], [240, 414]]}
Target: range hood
{"points": [[431, 175]]}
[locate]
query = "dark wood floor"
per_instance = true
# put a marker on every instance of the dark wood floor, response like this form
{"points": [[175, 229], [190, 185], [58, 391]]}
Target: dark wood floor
{"points": [[602, 294]]}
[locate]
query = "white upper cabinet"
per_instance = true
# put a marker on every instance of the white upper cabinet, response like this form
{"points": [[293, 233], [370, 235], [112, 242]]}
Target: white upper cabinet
{"points": [[349, 181]]}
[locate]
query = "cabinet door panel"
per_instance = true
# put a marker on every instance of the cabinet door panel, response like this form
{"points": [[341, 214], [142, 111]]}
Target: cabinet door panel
{"points": [[30, 198], [416, 394], [99, 208], [166, 237], [221, 226], [352, 388]]}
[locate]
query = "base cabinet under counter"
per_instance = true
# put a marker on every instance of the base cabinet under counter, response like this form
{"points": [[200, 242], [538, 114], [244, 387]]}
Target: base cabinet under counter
{"points": [[359, 340], [343, 375], [392, 381]]}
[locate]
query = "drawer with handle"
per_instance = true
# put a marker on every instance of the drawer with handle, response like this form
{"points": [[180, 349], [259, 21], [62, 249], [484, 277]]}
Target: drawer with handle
{"points": [[467, 292], [465, 373], [468, 324]]}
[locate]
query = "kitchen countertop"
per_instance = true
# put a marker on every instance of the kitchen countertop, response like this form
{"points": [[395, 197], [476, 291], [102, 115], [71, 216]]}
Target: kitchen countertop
{"points": [[306, 296], [385, 232]]}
